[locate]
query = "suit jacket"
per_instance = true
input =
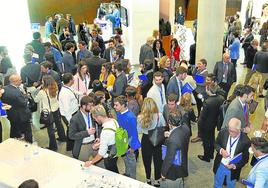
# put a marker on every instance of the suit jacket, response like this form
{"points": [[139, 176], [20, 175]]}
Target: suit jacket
{"points": [[219, 70], [146, 52], [242, 147], [99, 39], [178, 140], [107, 54], [247, 41], [78, 131], [94, 67], [250, 56], [39, 49], [210, 112], [82, 54], [261, 59], [259, 173], [234, 110], [30, 73], [19, 102], [173, 87], [120, 85], [68, 61], [192, 54]]}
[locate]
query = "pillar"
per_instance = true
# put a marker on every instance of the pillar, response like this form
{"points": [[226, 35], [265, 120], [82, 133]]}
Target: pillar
{"points": [[143, 18], [210, 30]]}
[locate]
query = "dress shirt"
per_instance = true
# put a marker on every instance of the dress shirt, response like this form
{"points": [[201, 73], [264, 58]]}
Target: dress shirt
{"points": [[232, 142], [225, 72], [107, 137], [88, 121], [68, 102]]}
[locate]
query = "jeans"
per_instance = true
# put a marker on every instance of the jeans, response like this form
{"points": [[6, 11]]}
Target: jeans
{"points": [[220, 175], [130, 165]]}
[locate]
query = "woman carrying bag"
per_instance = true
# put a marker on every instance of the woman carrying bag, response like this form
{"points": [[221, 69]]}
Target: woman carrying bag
{"points": [[149, 121], [46, 96]]}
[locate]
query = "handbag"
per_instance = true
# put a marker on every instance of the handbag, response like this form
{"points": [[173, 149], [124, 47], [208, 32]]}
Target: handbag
{"points": [[156, 136], [32, 104], [46, 117]]}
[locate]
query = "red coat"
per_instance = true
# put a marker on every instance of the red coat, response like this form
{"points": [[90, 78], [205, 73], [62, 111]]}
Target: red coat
{"points": [[176, 54]]}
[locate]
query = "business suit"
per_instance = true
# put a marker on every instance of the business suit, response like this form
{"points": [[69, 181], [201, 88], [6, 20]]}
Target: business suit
{"points": [[120, 85], [68, 62], [146, 52], [207, 123], [251, 51], [94, 67], [246, 42], [99, 39], [235, 110], [19, 115], [30, 73], [78, 132], [243, 144], [230, 78], [108, 53], [178, 140], [261, 59], [259, 173], [174, 87]]}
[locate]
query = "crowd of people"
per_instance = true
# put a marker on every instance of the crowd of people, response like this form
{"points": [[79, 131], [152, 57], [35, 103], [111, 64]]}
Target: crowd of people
{"points": [[94, 98]]}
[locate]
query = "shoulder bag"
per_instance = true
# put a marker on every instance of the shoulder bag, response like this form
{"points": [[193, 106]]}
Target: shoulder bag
{"points": [[156, 136], [46, 116]]}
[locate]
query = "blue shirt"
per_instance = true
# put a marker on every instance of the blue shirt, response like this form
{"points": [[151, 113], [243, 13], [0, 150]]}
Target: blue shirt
{"points": [[128, 121], [57, 55]]}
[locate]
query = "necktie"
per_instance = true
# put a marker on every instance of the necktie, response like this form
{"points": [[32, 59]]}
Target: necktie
{"points": [[161, 95], [225, 70], [246, 113], [88, 120]]}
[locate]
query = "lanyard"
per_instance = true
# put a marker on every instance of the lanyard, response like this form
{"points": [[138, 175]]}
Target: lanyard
{"points": [[232, 144], [88, 120]]}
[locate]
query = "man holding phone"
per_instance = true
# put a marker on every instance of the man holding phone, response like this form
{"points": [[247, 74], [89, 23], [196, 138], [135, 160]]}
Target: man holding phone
{"points": [[83, 129]]}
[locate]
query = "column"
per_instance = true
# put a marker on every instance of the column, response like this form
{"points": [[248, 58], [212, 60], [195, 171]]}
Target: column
{"points": [[143, 17], [210, 30]]}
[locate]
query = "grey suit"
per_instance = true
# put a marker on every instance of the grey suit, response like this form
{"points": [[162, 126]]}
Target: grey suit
{"points": [[120, 85], [219, 70], [68, 61], [173, 87], [146, 52], [235, 110], [78, 132], [107, 54]]}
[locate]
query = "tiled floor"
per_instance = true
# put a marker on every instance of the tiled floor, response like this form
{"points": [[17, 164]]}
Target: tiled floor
{"points": [[200, 173]]}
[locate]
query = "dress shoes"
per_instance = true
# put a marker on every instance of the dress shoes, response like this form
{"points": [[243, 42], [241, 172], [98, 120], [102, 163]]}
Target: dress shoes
{"points": [[203, 158]]}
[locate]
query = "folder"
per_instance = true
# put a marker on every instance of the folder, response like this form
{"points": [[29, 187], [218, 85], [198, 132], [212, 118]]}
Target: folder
{"points": [[177, 160], [187, 88], [248, 183], [236, 159], [143, 77], [199, 79]]}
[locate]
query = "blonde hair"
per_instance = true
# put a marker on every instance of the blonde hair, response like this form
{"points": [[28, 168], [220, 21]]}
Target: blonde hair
{"points": [[98, 111], [54, 40], [148, 109], [186, 101], [163, 61]]}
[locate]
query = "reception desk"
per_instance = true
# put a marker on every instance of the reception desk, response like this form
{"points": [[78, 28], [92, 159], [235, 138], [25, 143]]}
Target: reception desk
{"points": [[50, 169]]}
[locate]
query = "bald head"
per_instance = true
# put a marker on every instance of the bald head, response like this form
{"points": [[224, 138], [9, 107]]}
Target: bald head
{"points": [[234, 126], [15, 80], [226, 57]]}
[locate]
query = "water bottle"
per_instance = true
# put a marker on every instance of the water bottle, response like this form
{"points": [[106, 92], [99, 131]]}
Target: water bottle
{"points": [[27, 153]]}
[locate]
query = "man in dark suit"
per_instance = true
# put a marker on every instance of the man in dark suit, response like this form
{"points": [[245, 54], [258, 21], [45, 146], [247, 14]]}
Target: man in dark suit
{"points": [[82, 130], [208, 121], [260, 60], [229, 143], [109, 52], [95, 37], [38, 46], [225, 73], [19, 115], [120, 83], [83, 52], [239, 108], [175, 83], [30, 73], [251, 51], [146, 51], [94, 65], [68, 60], [179, 136], [246, 41], [68, 39]]}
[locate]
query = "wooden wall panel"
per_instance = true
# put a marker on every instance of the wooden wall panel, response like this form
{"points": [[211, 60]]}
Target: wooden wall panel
{"points": [[80, 9]]}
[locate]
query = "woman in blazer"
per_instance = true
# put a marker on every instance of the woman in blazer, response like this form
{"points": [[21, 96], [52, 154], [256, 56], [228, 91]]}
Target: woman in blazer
{"points": [[159, 52], [46, 96], [149, 119], [81, 80]]}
